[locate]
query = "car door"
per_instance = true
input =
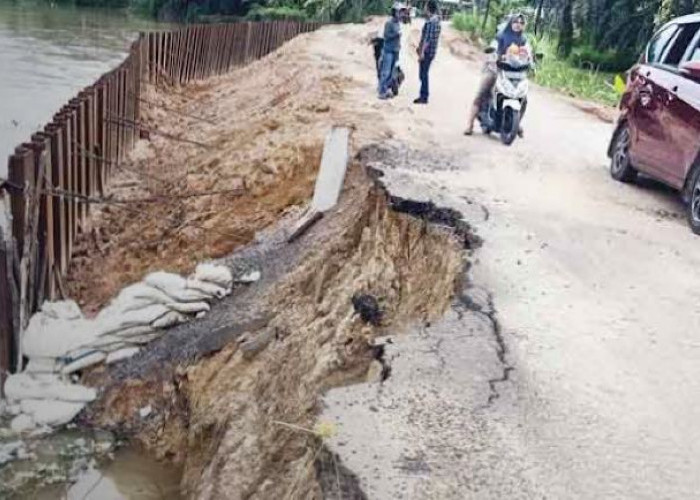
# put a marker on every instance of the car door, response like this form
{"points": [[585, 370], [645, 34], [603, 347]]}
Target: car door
{"points": [[645, 105], [681, 116], [674, 139]]}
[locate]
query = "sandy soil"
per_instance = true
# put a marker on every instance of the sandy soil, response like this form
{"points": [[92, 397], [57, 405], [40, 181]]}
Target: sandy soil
{"points": [[264, 131]]}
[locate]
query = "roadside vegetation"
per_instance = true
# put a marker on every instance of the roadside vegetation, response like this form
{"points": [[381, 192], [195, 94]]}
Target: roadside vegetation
{"points": [[245, 10], [587, 44]]}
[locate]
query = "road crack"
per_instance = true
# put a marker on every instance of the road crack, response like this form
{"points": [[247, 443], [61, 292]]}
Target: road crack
{"points": [[479, 301]]}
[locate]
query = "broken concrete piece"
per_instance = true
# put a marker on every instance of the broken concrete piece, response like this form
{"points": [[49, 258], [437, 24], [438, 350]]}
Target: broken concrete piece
{"points": [[24, 386], [304, 223], [250, 277], [331, 175], [51, 413]]}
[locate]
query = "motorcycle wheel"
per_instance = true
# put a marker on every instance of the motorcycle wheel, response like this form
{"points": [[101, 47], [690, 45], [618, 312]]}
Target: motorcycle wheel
{"points": [[510, 126]]}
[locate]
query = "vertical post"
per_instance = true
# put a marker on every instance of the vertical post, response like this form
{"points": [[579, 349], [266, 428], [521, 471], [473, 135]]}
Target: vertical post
{"points": [[7, 305]]}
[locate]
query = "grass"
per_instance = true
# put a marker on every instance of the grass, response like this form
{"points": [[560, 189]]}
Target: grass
{"points": [[582, 80]]}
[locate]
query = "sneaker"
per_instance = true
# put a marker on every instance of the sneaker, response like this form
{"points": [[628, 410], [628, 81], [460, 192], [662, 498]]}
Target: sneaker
{"points": [[384, 97], [420, 100]]}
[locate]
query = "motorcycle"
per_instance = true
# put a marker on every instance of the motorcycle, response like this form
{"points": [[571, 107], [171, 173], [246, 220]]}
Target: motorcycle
{"points": [[397, 75], [503, 111]]}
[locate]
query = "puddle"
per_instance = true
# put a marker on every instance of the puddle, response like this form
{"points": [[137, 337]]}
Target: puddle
{"points": [[80, 464], [130, 476]]}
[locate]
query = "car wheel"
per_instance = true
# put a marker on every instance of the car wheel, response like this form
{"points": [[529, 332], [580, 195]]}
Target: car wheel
{"points": [[621, 168], [694, 202]]}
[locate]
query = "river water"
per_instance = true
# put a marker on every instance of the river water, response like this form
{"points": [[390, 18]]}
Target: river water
{"points": [[49, 53]]}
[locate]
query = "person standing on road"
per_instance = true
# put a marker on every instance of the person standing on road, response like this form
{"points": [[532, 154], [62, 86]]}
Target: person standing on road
{"points": [[428, 48], [390, 51]]}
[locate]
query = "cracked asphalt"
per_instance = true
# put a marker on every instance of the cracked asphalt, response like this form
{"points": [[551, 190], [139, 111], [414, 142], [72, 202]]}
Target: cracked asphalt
{"points": [[569, 366]]}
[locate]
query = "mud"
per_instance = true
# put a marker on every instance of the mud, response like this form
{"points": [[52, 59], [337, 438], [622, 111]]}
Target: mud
{"points": [[217, 407]]}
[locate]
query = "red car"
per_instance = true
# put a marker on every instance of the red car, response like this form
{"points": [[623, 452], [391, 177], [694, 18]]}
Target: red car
{"points": [[658, 132]]}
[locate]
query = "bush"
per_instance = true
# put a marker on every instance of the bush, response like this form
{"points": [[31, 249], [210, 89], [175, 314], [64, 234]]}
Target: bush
{"points": [[471, 24], [609, 61], [277, 14], [466, 22]]}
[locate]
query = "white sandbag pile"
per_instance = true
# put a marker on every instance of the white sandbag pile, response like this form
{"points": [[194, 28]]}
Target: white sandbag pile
{"points": [[60, 340]]}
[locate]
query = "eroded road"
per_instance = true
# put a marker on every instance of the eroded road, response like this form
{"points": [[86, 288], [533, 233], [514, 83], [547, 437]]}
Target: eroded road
{"points": [[593, 286]]}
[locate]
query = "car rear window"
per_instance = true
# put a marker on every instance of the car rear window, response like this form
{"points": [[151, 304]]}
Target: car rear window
{"points": [[679, 45], [659, 43]]}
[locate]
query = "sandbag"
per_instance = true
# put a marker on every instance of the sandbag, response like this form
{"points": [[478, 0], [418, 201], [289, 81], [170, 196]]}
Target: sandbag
{"points": [[169, 319], [83, 362], [22, 423], [40, 365], [121, 354], [175, 287], [64, 309], [213, 273], [52, 413], [24, 386], [50, 337], [140, 317], [211, 289], [189, 307]]}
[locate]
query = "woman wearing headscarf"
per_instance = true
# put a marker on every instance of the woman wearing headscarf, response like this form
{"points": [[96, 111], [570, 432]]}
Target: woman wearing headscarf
{"points": [[511, 38]]}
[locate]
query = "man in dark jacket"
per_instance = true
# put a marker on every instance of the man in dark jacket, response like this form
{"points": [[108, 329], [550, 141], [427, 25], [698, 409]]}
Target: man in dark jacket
{"points": [[390, 51], [428, 48]]}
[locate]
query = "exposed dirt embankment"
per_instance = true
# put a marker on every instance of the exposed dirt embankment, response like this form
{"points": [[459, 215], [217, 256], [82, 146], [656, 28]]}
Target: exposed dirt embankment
{"points": [[224, 416], [260, 132]]}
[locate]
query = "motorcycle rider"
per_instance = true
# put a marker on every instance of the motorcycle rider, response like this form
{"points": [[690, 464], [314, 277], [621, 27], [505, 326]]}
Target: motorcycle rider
{"points": [[511, 38]]}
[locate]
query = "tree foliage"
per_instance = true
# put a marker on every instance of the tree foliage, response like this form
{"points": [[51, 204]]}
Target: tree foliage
{"points": [[608, 34]]}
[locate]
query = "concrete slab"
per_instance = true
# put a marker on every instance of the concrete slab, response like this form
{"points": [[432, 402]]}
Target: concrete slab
{"points": [[332, 172]]}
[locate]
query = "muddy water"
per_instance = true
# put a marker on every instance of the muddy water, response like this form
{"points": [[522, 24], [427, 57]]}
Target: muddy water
{"points": [[47, 54], [130, 476]]}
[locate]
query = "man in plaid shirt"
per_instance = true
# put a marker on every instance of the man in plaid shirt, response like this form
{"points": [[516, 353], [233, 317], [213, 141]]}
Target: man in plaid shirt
{"points": [[427, 48]]}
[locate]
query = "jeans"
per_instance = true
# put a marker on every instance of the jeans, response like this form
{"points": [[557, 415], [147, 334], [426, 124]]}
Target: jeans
{"points": [[424, 68], [389, 60]]}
